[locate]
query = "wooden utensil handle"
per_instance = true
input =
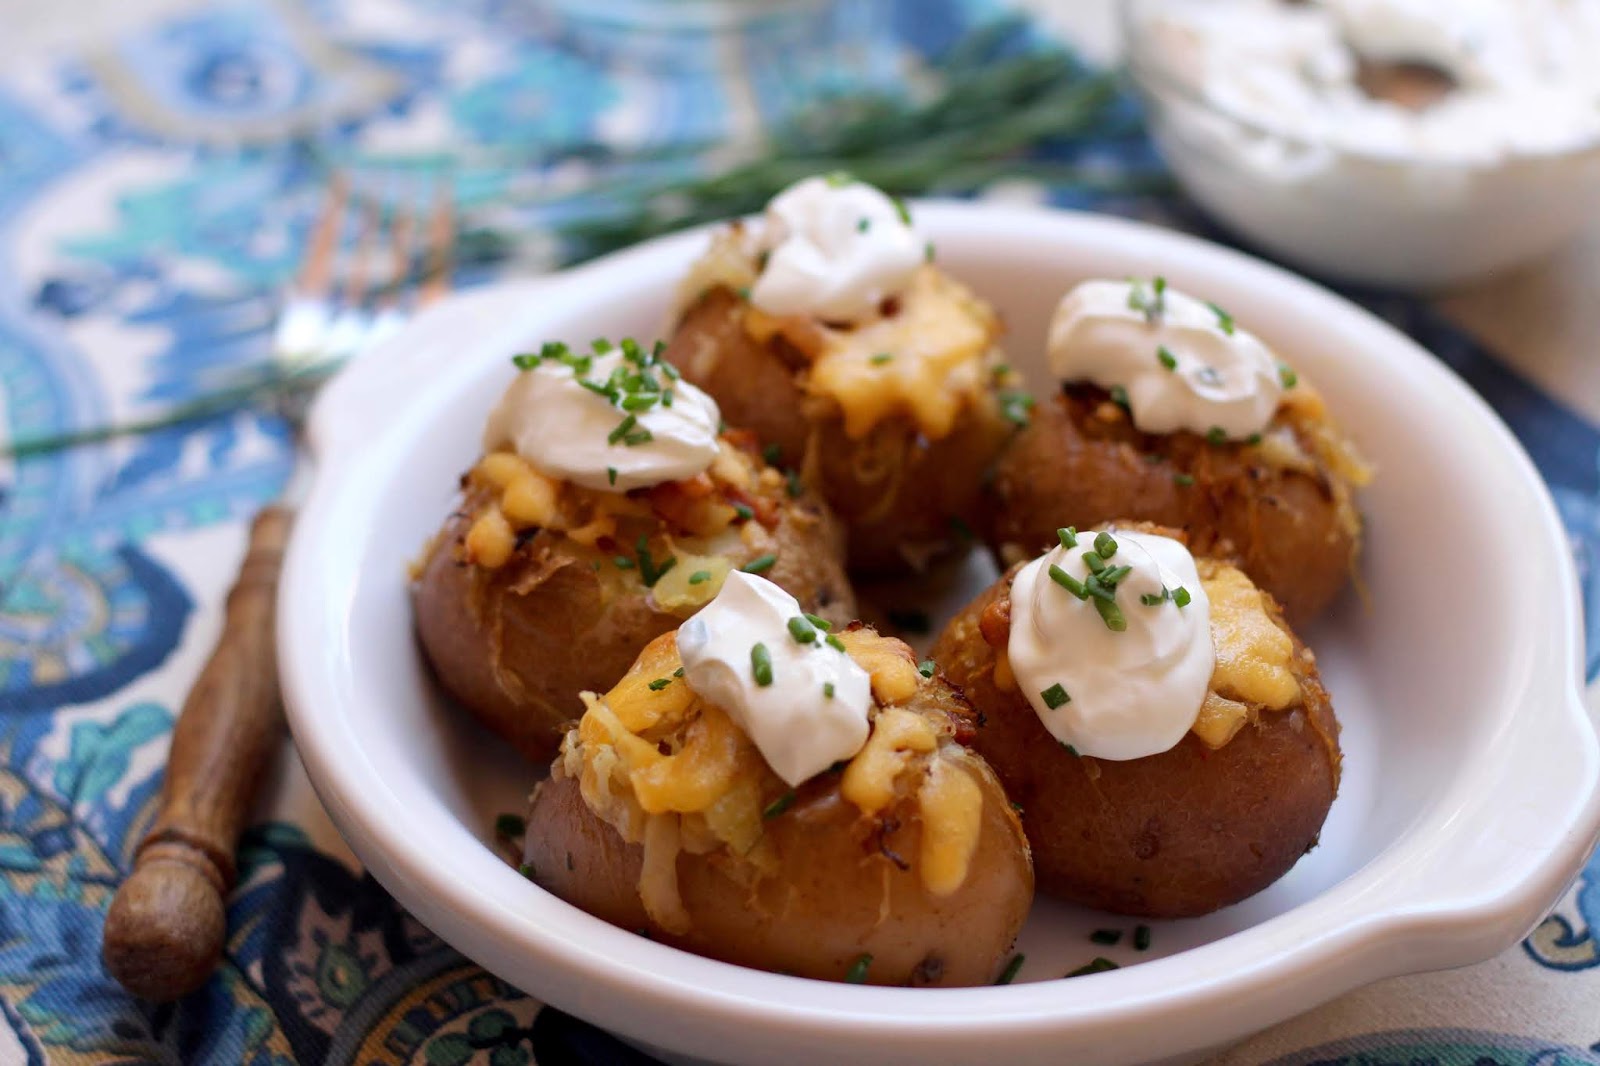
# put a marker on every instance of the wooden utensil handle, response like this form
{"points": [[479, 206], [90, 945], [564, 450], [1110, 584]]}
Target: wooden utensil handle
{"points": [[166, 927]]}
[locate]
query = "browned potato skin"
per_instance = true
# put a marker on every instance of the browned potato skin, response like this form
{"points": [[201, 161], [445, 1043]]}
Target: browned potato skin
{"points": [[896, 521], [516, 645], [821, 911], [1172, 835], [1082, 463]]}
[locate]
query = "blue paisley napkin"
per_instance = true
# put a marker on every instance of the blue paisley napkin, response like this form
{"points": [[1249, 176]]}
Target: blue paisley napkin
{"points": [[156, 192]]}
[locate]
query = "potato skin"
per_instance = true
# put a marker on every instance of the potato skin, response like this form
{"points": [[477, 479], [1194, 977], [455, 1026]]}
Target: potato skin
{"points": [[847, 885], [515, 645], [898, 519], [1172, 835], [1075, 466]]}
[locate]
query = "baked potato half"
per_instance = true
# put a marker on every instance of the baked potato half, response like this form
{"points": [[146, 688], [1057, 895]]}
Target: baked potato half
{"points": [[1210, 821], [895, 419], [904, 865], [536, 589]]}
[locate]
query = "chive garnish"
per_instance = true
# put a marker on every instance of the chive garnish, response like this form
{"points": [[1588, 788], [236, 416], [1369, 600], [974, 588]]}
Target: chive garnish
{"points": [[1099, 965], [1113, 577], [1068, 536], [926, 667], [525, 361], [1093, 561], [678, 672], [881, 358], [827, 690], [863, 225], [1224, 320], [510, 825], [1068, 582], [611, 474], [1184, 480], [1015, 405], [795, 486], [1150, 599], [772, 454], [1253, 439], [623, 429], [1105, 545], [1072, 751], [761, 664], [962, 530], [1141, 937], [659, 683], [1180, 596], [1055, 696], [640, 401], [699, 577], [857, 974], [1106, 936], [779, 805], [1168, 360], [1111, 615], [526, 870], [760, 564], [901, 210], [622, 562], [1009, 974], [744, 512], [1287, 375], [802, 631], [1119, 396], [927, 252], [1216, 435], [834, 642], [821, 623]]}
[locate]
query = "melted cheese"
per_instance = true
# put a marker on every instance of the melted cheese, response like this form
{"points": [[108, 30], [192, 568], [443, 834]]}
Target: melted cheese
{"points": [[897, 736], [952, 820]]}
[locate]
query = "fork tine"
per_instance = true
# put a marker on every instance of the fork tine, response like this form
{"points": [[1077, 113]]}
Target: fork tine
{"points": [[441, 242]]}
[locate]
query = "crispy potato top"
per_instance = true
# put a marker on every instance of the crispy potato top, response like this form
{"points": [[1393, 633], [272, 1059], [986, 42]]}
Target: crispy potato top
{"points": [[927, 356], [651, 751]]}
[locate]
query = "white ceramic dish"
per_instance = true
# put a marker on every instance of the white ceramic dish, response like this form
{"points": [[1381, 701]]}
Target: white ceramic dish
{"points": [[1469, 799]]}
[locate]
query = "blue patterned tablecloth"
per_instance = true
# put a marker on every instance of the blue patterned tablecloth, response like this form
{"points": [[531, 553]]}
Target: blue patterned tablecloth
{"points": [[156, 192]]}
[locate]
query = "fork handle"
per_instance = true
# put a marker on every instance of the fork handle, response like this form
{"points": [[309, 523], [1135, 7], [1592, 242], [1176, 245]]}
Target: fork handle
{"points": [[166, 927]]}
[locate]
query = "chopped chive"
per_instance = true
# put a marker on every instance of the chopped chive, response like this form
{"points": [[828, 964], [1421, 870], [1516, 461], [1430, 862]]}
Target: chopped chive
{"points": [[1068, 536], [1105, 545], [510, 825], [1114, 577], [744, 293], [1183, 480], [1168, 360], [601, 346], [667, 368], [1093, 561], [640, 401], [901, 209], [638, 437], [623, 562], [1099, 965], [1224, 320], [1216, 435], [611, 474], [1072, 751], [1106, 936], [863, 225], [1253, 439], [678, 672], [796, 487], [926, 667], [1009, 974], [1015, 406], [525, 361], [962, 530], [659, 683], [699, 577], [772, 454], [526, 870], [881, 358], [1068, 582], [1150, 599], [760, 564], [821, 623], [927, 252], [834, 642], [857, 974], [744, 512], [779, 805], [761, 664], [623, 429], [838, 179], [1111, 615], [1055, 696], [1119, 396], [1287, 375], [802, 631], [1141, 937], [827, 690], [1180, 596]]}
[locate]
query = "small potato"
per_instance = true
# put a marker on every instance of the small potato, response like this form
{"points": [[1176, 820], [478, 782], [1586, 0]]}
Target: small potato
{"points": [[530, 595], [1202, 825], [1282, 509], [904, 866], [896, 421]]}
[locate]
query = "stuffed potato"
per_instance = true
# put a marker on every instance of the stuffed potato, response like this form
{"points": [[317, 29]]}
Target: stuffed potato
{"points": [[1210, 820], [895, 410], [901, 865], [538, 588], [1278, 499]]}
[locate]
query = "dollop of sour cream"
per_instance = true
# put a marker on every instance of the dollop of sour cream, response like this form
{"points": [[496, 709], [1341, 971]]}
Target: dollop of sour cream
{"points": [[804, 703], [1184, 364], [1109, 693], [570, 431], [835, 250]]}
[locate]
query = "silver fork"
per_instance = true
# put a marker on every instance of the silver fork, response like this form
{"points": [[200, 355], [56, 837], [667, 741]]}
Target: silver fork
{"points": [[167, 925]]}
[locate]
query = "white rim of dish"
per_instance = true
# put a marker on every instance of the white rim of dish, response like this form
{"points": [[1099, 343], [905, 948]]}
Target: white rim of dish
{"points": [[1385, 919]]}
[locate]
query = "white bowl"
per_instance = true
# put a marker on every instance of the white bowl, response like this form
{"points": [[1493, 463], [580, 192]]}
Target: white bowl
{"points": [[1469, 798]]}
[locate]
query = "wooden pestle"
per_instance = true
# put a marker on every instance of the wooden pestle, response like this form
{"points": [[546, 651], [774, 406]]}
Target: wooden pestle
{"points": [[167, 924]]}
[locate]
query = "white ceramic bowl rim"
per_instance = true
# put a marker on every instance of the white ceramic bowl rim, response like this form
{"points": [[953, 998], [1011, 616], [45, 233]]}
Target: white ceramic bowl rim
{"points": [[1438, 917]]}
